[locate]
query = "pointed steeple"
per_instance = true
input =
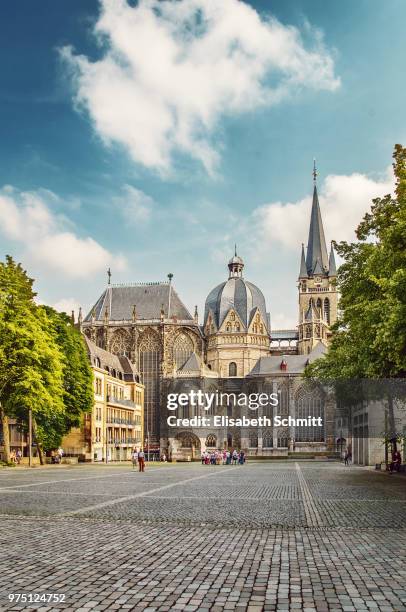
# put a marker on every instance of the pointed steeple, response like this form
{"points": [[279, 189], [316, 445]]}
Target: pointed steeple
{"points": [[303, 269], [332, 270], [316, 246]]}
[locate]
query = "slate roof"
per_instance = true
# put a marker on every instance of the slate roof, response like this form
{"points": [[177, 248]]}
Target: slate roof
{"points": [[316, 246], [332, 270], [284, 334], [295, 363], [119, 300], [235, 293], [108, 360], [195, 366]]}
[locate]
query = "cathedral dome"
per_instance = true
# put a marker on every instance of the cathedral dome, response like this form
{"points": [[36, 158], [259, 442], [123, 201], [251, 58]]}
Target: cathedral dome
{"points": [[237, 293]]}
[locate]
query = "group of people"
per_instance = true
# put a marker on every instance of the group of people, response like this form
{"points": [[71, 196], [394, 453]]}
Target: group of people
{"points": [[16, 456], [223, 457]]}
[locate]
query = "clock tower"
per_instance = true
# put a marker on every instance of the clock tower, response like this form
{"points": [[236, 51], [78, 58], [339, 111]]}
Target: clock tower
{"points": [[317, 284]]}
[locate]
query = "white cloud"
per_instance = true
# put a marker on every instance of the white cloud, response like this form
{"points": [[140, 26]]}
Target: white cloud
{"points": [[26, 218], [344, 200], [67, 305], [172, 68], [134, 205]]}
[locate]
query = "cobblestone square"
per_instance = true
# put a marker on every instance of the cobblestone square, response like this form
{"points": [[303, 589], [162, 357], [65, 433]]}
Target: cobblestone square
{"points": [[264, 536]]}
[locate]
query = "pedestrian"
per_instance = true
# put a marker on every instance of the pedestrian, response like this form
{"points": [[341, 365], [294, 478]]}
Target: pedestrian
{"points": [[347, 457], [134, 458], [164, 458], [141, 461], [241, 458], [18, 456], [396, 462], [228, 458], [235, 457], [60, 454]]}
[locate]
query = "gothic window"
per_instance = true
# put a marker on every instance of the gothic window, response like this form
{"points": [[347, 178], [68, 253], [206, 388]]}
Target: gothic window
{"points": [[182, 349], [283, 440], [228, 327], [149, 360], [229, 440], [211, 441], [283, 397], [327, 310], [253, 439], [318, 304], [121, 343], [232, 369], [309, 402], [261, 328], [237, 327], [267, 438], [232, 316], [308, 331]]}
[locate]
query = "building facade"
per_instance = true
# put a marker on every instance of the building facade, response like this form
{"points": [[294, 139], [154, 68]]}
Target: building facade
{"points": [[116, 424], [234, 348]]}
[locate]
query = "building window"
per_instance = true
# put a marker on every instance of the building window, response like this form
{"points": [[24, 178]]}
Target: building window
{"points": [[211, 441], [253, 439], [182, 349], [327, 310], [309, 402], [267, 438], [232, 369], [149, 358]]}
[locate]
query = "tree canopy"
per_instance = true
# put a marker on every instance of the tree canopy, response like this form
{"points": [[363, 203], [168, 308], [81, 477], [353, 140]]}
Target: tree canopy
{"points": [[369, 338], [43, 364]]}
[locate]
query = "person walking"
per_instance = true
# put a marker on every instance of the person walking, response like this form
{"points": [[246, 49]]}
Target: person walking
{"points": [[134, 458], [141, 461], [396, 462]]}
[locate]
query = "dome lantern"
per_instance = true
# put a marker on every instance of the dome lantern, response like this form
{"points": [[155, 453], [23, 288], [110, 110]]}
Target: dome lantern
{"points": [[235, 265]]}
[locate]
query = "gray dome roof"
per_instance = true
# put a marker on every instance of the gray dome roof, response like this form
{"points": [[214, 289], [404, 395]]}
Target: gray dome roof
{"points": [[235, 293]]}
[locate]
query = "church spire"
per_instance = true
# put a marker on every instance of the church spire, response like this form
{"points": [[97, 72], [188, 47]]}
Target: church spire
{"points": [[332, 270], [303, 269], [316, 246]]}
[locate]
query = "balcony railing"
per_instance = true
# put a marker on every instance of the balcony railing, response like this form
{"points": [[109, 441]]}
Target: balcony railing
{"points": [[111, 399], [127, 441], [118, 421]]}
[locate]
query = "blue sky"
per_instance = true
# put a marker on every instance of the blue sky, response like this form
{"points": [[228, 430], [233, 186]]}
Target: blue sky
{"points": [[152, 138]]}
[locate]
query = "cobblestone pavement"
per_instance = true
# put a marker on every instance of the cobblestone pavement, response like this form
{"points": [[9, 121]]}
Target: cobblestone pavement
{"points": [[264, 536]]}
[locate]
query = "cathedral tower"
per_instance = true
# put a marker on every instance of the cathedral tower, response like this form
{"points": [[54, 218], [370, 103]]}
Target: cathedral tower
{"points": [[317, 284]]}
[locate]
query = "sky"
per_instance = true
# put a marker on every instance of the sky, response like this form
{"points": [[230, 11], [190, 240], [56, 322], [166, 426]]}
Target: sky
{"points": [[149, 137]]}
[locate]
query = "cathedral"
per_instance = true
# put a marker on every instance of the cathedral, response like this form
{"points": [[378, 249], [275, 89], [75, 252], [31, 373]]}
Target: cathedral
{"points": [[233, 350]]}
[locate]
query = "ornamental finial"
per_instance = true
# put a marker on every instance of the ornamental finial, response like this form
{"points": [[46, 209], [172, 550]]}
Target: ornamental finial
{"points": [[315, 173]]}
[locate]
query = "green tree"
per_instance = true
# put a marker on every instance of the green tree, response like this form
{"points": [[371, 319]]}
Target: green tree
{"points": [[31, 363], [369, 338], [77, 377]]}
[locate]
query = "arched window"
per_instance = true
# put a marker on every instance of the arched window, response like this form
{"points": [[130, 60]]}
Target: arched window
{"points": [[267, 438], [309, 402], [318, 304], [232, 369], [228, 327], [237, 327], [283, 440], [229, 440], [327, 310], [211, 441], [182, 349], [232, 316], [114, 373], [149, 358], [283, 399], [253, 439], [121, 342]]}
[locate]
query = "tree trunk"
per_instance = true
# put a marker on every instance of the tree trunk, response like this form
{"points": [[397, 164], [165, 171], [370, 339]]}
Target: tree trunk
{"points": [[6, 435], [34, 433]]}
